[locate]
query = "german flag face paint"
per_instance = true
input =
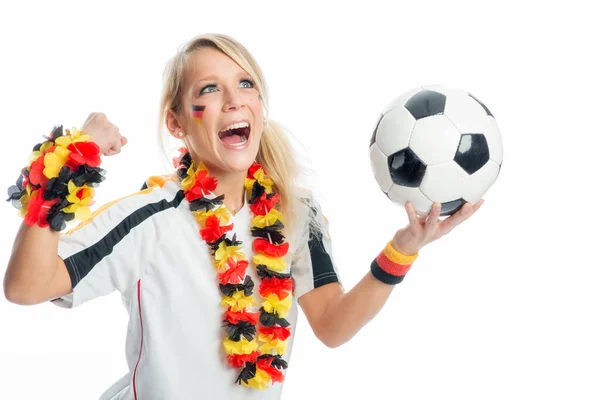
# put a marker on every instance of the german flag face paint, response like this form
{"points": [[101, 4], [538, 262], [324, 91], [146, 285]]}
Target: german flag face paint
{"points": [[197, 112]]}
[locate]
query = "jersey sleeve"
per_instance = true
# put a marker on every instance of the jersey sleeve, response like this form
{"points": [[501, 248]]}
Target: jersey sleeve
{"points": [[107, 252], [313, 265]]}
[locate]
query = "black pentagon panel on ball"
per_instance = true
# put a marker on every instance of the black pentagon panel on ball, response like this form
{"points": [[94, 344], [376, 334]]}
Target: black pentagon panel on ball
{"points": [[487, 110], [406, 169], [426, 103], [373, 137], [450, 207], [472, 152]]}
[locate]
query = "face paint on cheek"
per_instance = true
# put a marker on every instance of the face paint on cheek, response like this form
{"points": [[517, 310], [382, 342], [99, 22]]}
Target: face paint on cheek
{"points": [[197, 112]]}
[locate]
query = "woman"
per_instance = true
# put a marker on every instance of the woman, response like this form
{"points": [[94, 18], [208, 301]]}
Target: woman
{"points": [[212, 261]]}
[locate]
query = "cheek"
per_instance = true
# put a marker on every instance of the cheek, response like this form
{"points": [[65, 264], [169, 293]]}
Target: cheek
{"points": [[255, 105], [197, 113], [258, 138]]}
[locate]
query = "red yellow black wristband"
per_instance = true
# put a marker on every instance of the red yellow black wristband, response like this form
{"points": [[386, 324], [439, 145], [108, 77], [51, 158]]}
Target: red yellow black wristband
{"points": [[390, 266]]}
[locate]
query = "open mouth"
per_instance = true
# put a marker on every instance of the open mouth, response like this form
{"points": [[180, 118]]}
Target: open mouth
{"points": [[236, 134]]}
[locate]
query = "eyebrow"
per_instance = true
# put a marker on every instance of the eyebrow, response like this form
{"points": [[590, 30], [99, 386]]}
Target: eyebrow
{"points": [[214, 78], [206, 78]]}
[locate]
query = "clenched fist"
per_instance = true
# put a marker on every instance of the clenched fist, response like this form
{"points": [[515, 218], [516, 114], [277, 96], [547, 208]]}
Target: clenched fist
{"points": [[104, 133]]}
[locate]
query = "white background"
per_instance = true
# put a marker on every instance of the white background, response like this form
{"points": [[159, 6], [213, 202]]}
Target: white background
{"points": [[505, 307]]}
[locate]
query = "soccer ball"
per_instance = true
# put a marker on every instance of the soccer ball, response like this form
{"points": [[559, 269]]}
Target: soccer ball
{"points": [[436, 144]]}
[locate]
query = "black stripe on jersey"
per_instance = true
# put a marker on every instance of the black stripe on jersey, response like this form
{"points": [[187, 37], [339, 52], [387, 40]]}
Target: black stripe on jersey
{"points": [[80, 264], [322, 265]]}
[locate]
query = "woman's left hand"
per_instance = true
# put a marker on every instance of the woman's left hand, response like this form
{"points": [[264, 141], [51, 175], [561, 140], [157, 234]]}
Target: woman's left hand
{"points": [[422, 230]]}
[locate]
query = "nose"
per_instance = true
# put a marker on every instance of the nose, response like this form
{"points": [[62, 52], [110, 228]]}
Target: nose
{"points": [[233, 100]]}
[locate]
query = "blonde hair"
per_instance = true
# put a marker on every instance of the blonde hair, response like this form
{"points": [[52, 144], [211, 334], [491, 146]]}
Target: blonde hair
{"points": [[275, 151]]}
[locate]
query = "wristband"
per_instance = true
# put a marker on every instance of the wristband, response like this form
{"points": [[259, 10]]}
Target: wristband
{"points": [[58, 184], [390, 266]]}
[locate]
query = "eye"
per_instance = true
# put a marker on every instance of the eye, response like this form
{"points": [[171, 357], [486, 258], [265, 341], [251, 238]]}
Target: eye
{"points": [[208, 89], [247, 84]]}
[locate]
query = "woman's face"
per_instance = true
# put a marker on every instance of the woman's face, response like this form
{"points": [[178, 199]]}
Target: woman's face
{"points": [[221, 113]]}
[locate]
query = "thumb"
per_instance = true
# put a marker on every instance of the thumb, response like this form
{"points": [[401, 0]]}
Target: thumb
{"points": [[123, 140]]}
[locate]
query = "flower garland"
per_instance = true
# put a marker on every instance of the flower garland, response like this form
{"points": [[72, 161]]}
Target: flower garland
{"points": [[57, 185], [261, 363]]}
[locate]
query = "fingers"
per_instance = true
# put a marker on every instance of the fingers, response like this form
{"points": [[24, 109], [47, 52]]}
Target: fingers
{"points": [[477, 205], [460, 216], [433, 218], [120, 142], [412, 214], [104, 133]]}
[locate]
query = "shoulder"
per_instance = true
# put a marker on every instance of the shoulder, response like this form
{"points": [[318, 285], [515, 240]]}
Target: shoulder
{"points": [[153, 190], [307, 205], [309, 219], [157, 194]]}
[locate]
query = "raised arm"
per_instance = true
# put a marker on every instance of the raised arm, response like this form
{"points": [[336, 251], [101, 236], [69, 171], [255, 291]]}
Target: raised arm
{"points": [[35, 272]]}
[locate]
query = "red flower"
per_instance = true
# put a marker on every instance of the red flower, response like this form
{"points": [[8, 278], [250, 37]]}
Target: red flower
{"points": [[263, 205], [177, 160], [84, 153], [235, 273], [202, 185], [280, 286], [212, 230], [265, 247], [72, 164], [235, 317], [36, 172], [275, 332], [253, 168], [238, 360], [275, 374], [37, 209]]}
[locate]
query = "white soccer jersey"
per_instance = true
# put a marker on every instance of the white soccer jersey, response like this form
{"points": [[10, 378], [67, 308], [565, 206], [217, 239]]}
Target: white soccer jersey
{"points": [[147, 246]]}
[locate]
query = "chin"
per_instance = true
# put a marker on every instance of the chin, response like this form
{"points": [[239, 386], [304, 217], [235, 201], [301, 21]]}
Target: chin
{"points": [[239, 162]]}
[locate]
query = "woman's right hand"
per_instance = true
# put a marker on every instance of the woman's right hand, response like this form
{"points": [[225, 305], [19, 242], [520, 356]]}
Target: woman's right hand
{"points": [[104, 133]]}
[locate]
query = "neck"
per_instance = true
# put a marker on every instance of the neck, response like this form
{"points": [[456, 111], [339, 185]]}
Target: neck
{"points": [[230, 184]]}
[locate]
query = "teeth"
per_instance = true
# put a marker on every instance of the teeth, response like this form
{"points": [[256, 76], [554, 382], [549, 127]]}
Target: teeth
{"points": [[235, 126]]}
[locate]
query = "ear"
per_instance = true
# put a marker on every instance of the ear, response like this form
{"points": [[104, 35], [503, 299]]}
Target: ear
{"points": [[173, 125]]}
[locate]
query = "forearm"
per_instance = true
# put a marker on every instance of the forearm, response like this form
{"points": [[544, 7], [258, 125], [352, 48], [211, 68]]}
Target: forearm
{"points": [[55, 187], [346, 314], [33, 261]]}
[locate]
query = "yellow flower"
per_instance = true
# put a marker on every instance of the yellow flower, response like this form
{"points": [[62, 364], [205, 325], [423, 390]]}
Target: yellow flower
{"points": [[279, 345], [238, 301], [265, 181], [224, 252], [24, 202], [221, 212], [43, 149], [54, 161], [81, 197], [273, 304], [69, 138], [190, 179], [260, 221], [260, 381], [273, 263], [241, 347]]}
